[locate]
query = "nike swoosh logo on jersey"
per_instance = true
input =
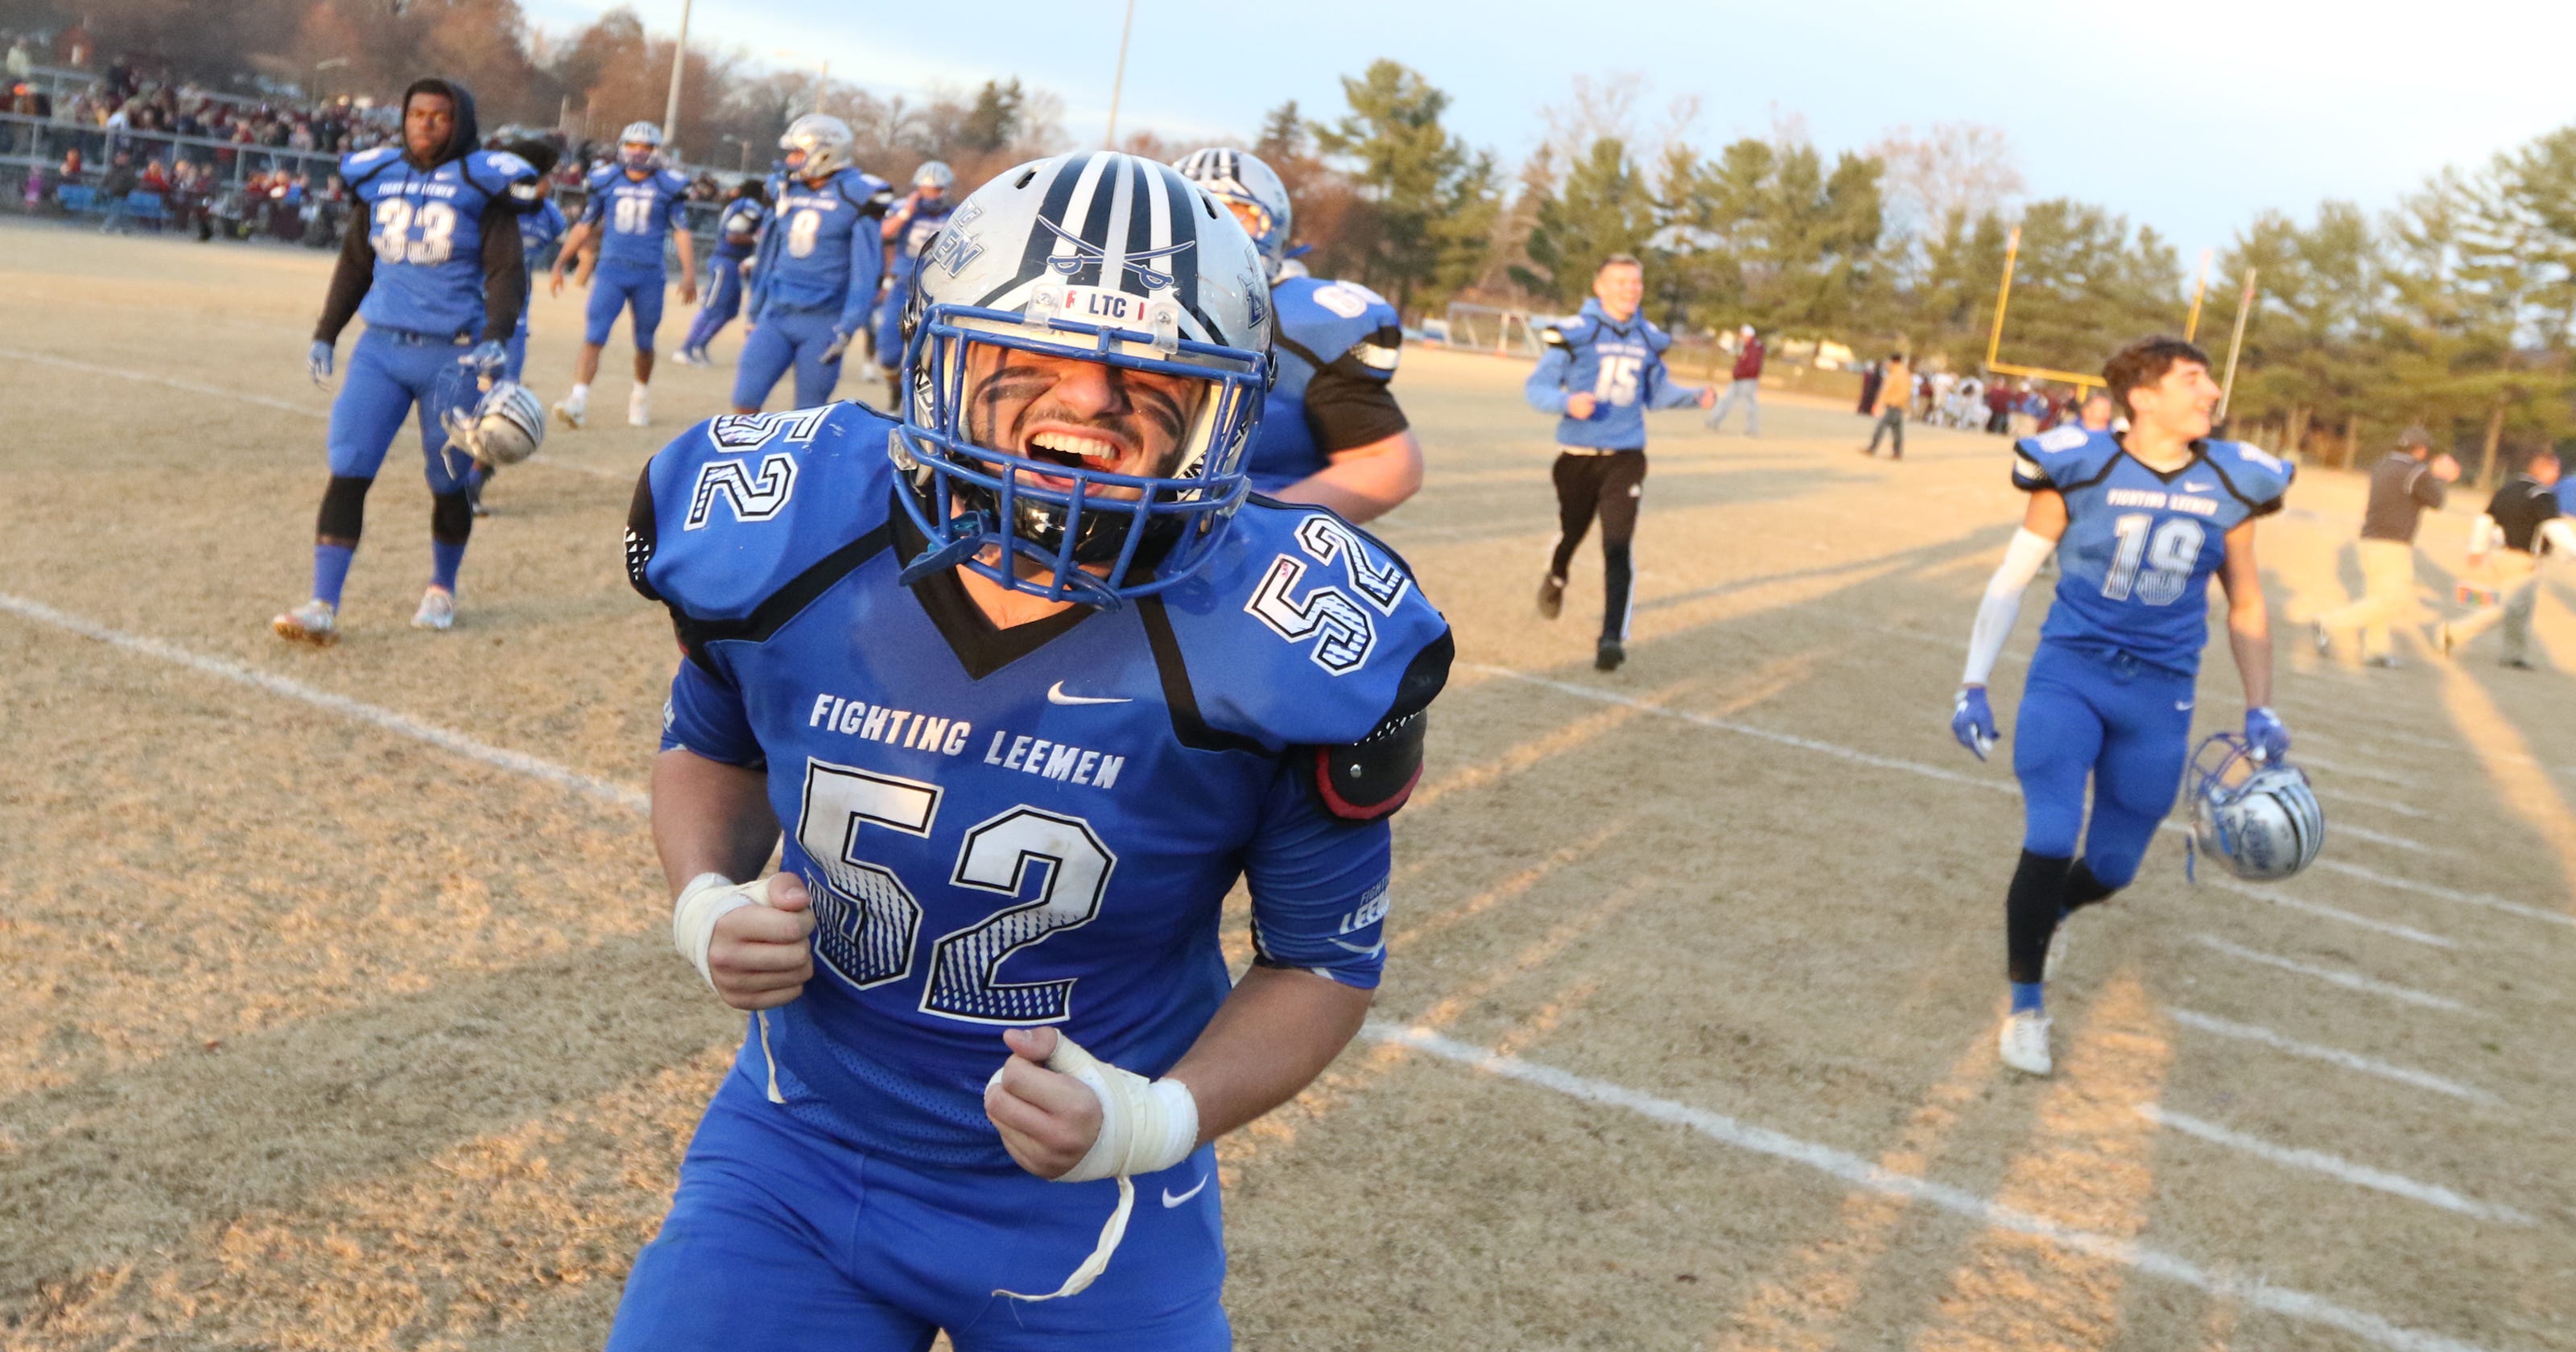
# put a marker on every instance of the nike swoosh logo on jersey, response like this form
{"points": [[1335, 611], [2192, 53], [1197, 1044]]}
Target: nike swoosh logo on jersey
{"points": [[2182, 706], [1056, 695], [1170, 1201], [2197, 488]]}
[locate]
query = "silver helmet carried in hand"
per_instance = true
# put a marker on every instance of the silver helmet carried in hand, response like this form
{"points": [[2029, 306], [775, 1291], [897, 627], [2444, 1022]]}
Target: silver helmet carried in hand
{"points": [[505, 426], [2258, 816], [1095, 257]]}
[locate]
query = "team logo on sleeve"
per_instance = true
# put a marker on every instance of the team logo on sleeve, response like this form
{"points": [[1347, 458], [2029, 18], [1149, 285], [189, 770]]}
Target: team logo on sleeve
{"points": [[2062, 438], [1340, 628]]}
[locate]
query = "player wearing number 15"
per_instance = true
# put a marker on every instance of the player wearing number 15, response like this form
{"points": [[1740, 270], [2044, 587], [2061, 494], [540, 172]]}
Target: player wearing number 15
{"points": [[633, 204], [2138, 522], [1600, 372], [435, 270], [1027, 681], [815, 277]]}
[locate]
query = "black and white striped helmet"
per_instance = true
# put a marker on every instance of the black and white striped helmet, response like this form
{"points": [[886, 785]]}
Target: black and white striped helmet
{"points": [[1238, 178], [1101, 257], [826, 140]]}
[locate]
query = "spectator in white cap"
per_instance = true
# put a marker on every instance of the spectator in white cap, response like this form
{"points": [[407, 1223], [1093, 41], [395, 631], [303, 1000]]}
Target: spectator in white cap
{"points": [[1748, 380]]}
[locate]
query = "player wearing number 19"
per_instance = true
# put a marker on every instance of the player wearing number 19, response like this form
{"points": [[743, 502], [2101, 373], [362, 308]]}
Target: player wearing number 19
{"points": [[815, 277], [2138, 522], [435, 270], [1027, 680], [633, 204]]}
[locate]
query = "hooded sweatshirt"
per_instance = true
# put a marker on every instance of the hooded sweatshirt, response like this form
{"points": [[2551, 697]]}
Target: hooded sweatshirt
{"points": [[437, 251]]}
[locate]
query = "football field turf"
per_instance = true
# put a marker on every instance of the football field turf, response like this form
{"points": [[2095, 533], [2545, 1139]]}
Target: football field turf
{"points": [[341, 1011]]}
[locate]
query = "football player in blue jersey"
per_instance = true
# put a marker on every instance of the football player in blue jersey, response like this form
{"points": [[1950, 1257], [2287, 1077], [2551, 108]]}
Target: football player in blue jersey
{"points": [[1025, 681], [909, 228], [1333, 435], [538, 231], [634, 203], [1599, 373], [814, 281], [737, 234], [434, 268], [2137, 521]]}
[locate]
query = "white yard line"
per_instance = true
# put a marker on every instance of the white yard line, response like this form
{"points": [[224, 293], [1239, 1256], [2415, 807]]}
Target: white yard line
{"points": [[1855, 1171], [2348, 980], [404, 725], [2276, 897], [2439, 892], [2332, 1166], [2333, 1056]]}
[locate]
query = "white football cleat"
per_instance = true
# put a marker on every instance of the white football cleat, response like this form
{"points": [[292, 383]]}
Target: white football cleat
{"points": [[573, 413], [437, 610], [2024, 1046], [316, 622], [639, 407]]}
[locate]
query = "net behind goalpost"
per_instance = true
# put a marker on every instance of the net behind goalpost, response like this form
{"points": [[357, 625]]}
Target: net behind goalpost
{"points": [[1485, 328]]}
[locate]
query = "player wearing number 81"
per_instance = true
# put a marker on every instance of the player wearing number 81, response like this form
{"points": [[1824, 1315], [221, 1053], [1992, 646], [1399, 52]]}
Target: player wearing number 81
{"points": [[2138, 523], [1026, 681], [634, 203]]}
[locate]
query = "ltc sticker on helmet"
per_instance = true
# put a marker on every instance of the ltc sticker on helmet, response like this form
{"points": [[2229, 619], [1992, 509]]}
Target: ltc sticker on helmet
{"points": [[1098, 305]]}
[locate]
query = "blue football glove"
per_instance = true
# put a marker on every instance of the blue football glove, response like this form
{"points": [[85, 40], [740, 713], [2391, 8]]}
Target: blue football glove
{"points": [[840, 346], [489, 360], [1972, 721], [318, 363], [2266, 734]]}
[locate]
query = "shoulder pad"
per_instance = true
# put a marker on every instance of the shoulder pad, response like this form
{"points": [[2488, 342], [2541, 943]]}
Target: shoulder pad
{"points": [[1554, 336], [605, 174], [366, 163], [1656, 339], [674, 180], [1328, 319], [2060, 457], [742, 504], [2258, 476], [1306, 631]]}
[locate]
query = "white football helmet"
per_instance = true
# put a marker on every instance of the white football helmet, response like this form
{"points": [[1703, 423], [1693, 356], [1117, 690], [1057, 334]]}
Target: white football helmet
{"points": [[1100, 257], [639, 134], [504, 427], [2259, 817], [934, 175], [826, 143], [1239, 179]]}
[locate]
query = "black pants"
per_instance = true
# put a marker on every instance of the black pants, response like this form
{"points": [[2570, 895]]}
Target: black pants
{"points": [[1608, 486], [1893, 420]]}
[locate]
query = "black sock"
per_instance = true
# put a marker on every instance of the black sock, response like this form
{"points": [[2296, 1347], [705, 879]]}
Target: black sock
{"points": [[2031, 910], [2083, 889]]}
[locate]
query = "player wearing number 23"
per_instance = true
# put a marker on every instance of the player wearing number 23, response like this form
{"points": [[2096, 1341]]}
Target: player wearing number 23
{"points": [[2138, 521], [433, 265], [1026, 681]]}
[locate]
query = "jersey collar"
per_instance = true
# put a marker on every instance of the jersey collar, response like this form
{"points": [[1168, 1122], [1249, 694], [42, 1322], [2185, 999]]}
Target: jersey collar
{"points": [[2199, 457]]}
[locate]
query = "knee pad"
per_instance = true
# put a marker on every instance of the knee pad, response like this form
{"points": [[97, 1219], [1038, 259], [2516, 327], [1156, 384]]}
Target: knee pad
{"points": [[344, 508], [451, 518]]}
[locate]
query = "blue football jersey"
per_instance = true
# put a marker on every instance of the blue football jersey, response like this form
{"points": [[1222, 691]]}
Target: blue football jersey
{"points": [[1027, 826], [825, 247], [632, 215], [738, 229], [1317, 324], [1620, 365], [2134, 564], [427, 226], [913, 237]]}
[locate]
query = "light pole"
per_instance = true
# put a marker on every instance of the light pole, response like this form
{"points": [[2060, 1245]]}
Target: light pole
{"points": [[679, 62], [746, 149], [1118, 82]]}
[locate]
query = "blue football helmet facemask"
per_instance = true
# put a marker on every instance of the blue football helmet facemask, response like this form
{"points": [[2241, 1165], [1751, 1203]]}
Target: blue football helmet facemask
{"points": [[2258, 817], [1104, 258]]}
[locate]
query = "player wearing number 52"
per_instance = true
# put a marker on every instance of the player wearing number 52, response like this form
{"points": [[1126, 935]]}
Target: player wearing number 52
{"points": [[1601, 371], [633, 204], [434, 267], [814, 277], [1026, 680], [2138, 523]]}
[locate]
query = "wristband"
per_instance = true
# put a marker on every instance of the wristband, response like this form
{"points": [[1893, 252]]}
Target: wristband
{"points": [[708, 898]]}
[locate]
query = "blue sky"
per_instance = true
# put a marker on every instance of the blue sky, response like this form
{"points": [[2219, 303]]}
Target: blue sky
{"points": [[2190, 118]]}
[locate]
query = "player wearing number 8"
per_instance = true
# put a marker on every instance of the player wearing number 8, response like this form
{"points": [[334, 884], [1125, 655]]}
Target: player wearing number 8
{"points": [[1027, 682], [435, 269], [2138, 523], [815, 276]]}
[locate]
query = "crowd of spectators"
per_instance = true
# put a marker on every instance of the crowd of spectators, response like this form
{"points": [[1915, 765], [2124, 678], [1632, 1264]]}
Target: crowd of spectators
{"points": [[1966, 402]]}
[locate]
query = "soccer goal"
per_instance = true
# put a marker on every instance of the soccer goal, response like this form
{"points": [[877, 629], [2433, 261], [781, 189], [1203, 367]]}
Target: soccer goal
{"points": [[1485, 328]]}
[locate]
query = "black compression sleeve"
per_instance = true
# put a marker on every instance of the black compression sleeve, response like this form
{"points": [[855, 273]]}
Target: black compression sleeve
{"points": [[1348, 405], [350, 278], [505, 272]]}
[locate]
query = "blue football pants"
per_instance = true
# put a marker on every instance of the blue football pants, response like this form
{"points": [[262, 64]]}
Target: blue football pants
{"points": [[787, 1240], [787, 337], [391, 374], [613, 289], [2121, 723], [723, 302]]}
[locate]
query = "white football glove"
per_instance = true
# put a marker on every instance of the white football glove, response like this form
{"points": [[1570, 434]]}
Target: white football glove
{"points": [[1146, 1126]]}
